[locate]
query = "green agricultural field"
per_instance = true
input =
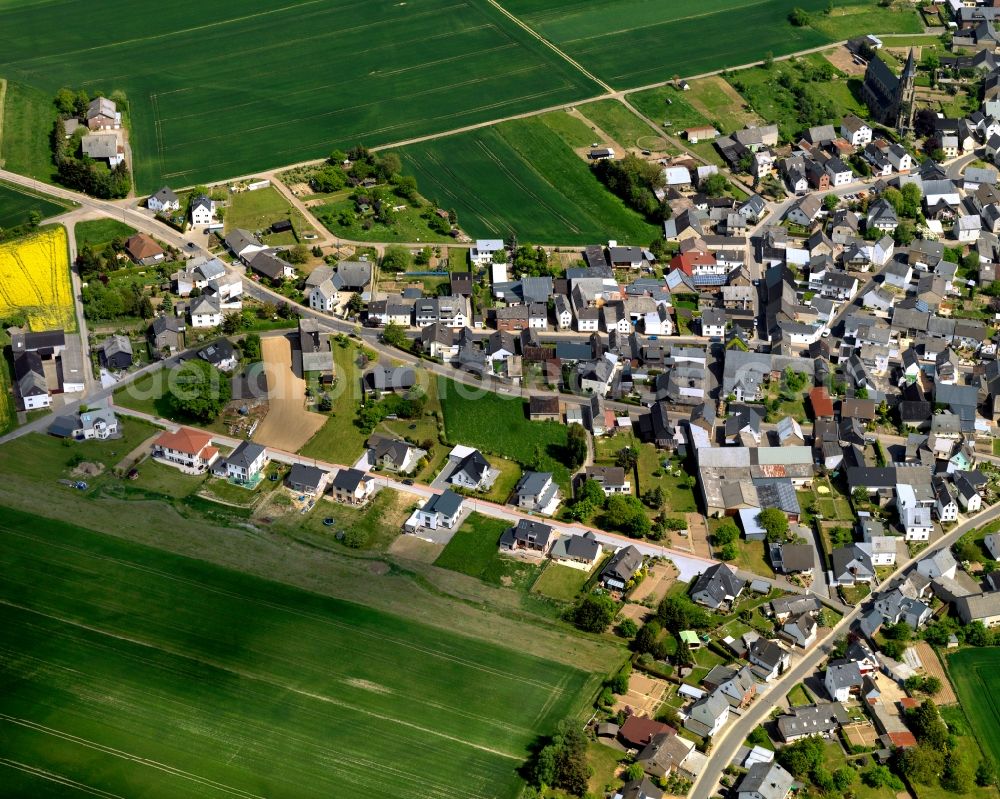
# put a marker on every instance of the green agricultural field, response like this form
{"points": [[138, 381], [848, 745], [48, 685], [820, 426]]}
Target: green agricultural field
{"points": [[98, 233], [522, 176], [130, 670], [28, 119], [289, 82], [500, 426], [16, 204], [975, 674], [634, 42]]}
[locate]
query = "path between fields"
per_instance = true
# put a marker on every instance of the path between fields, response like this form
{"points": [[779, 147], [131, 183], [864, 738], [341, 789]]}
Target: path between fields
{"points": [[288, 425]]}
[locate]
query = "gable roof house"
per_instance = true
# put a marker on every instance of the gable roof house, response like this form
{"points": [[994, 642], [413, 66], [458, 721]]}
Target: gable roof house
{"points": [[765, 781], [537, 491], [186, 449], [620, 570], [718, 586], [527, 535], [143, 249], [473, 471], [852, 564], [308, 480], [768, 658], [352, 487], [440, 511], [577, 551], [842, 678], [116, 352], [707, 715]]}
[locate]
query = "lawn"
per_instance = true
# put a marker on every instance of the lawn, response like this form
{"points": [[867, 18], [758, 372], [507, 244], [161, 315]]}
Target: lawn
{"points": [[522, 176], [46, 459], [158, 478], [752, 558], [606, 37], [798, 696], [560, 582], [680, 497], [853, 17], [98, 233], [136, 667], [499, 425], [380, 520], [28, 118], [16, 205], [473, 551], [340, 440], [305, 79], [259, 209], [618, 122]]}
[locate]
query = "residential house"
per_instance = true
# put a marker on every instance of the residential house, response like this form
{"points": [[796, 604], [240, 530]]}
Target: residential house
{"points": [[527, 535], [352, 487], [103, 114], [166, 334], [718, 587], [842, 679], [164, 200], [769, 659], [765, 781], [143, 249], [393, 454], [189, 450], [221, 354], [611, 479], [243, 244], [206, 311], [244, 464], [537, 491], [707, 715], [577, 551], [855, 130], [822, 718], [979, 607], [440, 511], [622, 567], [308, 480], [116, 352], [882, 216], [97, 422], [472, 470], [852, 564], [267, 264], [106, 147], [202, 211]]}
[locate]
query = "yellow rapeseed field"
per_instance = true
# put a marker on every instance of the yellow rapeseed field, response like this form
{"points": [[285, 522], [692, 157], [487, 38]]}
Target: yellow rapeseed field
{"points": [[34, 280]]}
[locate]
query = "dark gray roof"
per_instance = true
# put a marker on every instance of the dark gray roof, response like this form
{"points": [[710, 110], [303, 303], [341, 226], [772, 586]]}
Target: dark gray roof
{"points": [[717, 583], [623, 564], [303, 474], [245, 454], [447, 503], [348, 479]]}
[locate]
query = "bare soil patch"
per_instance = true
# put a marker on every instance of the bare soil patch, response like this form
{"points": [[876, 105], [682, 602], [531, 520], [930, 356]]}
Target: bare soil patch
{"points": [[637, 613], [657, 583], [843, 60], [860, 734], [698, 535], [933, 668], [87, 469], [645, 695], [288, 425]]}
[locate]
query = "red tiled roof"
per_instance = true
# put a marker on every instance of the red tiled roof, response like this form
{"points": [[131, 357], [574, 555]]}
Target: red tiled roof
{"points": [[822, 404], [186, 440], [687, 261], [902, 740], [142, 246], [637, 730]]}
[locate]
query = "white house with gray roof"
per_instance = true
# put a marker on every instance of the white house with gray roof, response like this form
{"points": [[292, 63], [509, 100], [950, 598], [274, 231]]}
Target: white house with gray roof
{"points": [[537, 491], [765, 781], [577, 551]]}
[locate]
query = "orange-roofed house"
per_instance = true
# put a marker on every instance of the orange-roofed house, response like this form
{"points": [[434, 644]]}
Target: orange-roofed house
{"points": [[189, 450], [701, 267], [143, 249], [821, 403]]}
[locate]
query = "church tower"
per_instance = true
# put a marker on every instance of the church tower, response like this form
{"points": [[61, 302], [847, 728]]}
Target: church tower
{"points": [[904, 108]]}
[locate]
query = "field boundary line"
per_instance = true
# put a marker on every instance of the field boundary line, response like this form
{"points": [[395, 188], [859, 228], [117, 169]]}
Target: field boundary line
{"points": [[123, 755], [242, 673], [58, 778], [538, 37], [3, 99]]}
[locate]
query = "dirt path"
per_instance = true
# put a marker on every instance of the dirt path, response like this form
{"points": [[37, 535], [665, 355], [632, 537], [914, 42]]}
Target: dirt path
{"points": [[288, 425], [136, 455]]}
